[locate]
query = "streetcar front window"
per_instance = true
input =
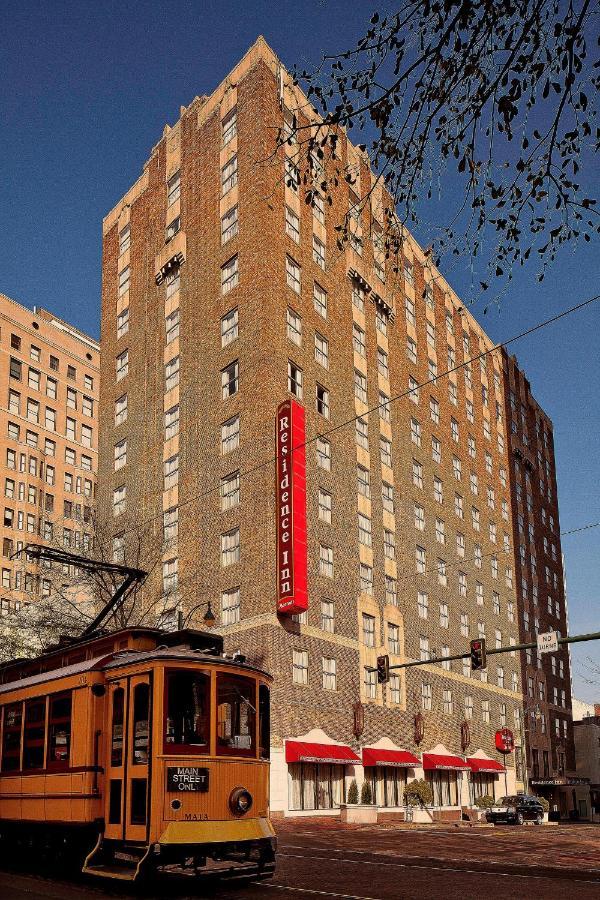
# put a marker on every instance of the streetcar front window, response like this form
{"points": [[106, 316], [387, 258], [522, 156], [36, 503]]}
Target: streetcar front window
{"points": [[187, 720], [236, 715]]}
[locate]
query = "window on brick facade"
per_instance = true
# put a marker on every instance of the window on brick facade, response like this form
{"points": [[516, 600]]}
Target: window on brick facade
{"points": [[229, 175], [292, 224], [300, 666], [295, 380], [229, 224], [292, 274], [229, 275], [323, 453], [230, 606], [121, 409], [230, 380], [320, 300], [230, 491], [230, 547], [326, 561]]}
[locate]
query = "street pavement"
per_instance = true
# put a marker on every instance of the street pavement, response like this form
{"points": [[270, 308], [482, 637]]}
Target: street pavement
{"points": [[320, 859]]}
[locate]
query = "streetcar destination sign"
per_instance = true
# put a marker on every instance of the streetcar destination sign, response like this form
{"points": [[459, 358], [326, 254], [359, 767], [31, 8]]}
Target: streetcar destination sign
{"points": [[187, 778], [547, 642]]}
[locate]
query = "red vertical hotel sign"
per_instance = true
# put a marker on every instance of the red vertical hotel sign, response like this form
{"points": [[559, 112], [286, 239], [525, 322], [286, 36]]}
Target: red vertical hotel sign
{"points": [[290, 501]]}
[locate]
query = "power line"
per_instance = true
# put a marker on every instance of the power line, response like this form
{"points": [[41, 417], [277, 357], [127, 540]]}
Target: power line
{"points": [[433, 380]]}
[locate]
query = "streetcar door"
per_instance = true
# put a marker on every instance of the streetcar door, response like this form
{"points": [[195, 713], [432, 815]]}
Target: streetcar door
{"points": [[127, 802], [137, 792]]}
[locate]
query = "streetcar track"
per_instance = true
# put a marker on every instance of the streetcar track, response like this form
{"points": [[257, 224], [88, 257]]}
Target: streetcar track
{"points": [[398, 865]]}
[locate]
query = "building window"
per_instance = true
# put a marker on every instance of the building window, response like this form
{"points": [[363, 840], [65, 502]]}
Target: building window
{"points": [[362, 433], [391, 591], [173, 282], [425, 695], [322, 395], [122, 364], [300, 666], [294, 380], [394, 638], [170, 524], [172, 228], [366, 579], [387, 497], [419, 513], [318, 208], [324, 454], [171, 422], [171, 472], [118, 548], [229, 175], [389, 544], [485, 711], [423, 604], [370, 683], [364, 530], [321, 350], [320, 300], [324, 506], [172, 326], [173, 188], [329, 674], [230, 547], [294, 326], [121, 409], [326, 561], [292, 224], [229, 327], [318, 251], [120, 455], [230, 606], [172, 373], [230, 491], [292, 174], [292, 274], [382, 363], [229, 224], [119, 500], [229, 275], [230, 380], [170, 575], [16, 369], [328, 616], [385, 452]]}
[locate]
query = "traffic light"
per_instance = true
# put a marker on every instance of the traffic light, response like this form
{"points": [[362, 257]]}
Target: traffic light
{"points": [[478, 654], [383, 669]]}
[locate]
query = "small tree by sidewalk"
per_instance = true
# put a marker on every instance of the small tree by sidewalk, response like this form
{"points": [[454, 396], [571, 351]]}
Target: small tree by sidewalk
{"points": [[366, 794], [353, 792], [418, 793]]}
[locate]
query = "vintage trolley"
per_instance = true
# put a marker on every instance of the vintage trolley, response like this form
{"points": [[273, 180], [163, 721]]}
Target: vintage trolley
{"points": [[138, 750]]}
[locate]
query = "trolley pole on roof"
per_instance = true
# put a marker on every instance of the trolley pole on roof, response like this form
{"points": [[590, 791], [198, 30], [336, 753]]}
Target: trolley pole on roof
{"points": [[131, 577]]}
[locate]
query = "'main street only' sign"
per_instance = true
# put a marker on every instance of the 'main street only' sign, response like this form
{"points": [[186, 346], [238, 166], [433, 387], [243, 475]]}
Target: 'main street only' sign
{"points": [[290, 502]]}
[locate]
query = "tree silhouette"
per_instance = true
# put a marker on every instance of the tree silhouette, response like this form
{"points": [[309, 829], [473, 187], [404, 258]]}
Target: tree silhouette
{"points": [[497, 95]]}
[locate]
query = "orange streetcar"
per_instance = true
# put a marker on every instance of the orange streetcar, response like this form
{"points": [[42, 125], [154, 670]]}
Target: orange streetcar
{"points": [[138, 750]]}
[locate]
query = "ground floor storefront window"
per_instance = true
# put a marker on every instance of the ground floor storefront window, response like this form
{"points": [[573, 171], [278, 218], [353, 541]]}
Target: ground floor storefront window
{"points": [[387, 784], [444, 786], [315, 786], [483, 784]]}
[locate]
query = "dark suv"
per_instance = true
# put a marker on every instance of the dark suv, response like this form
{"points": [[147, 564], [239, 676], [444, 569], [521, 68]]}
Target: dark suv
{"points": [[516, 810]]}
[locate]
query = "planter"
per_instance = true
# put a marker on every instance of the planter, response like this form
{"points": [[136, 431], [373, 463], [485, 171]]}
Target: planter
{"points": [[358, 814], [421, 814]]}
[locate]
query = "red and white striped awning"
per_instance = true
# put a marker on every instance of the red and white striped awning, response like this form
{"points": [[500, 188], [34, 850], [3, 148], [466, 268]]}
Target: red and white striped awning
{"points": [[302, 751], [377, 756], [439, 761], [490, 766]]}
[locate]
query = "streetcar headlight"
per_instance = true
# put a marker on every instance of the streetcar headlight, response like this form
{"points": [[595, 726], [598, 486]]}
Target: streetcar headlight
{"points": [[240, 801]]}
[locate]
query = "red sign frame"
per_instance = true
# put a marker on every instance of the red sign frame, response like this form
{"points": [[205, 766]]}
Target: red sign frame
{"points": [[290, 505], [505, 740]]}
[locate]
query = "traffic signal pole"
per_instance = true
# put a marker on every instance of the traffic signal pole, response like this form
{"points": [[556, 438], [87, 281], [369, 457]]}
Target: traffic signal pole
{"points": [[574, 639]]}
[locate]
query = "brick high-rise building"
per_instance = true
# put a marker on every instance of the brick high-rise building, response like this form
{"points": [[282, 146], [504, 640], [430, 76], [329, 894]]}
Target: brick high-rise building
{"points": [[540, 584], [49, 383], [225, 294]]}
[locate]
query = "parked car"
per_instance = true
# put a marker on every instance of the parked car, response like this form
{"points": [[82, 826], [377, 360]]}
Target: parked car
{"points": [[516, 810]]}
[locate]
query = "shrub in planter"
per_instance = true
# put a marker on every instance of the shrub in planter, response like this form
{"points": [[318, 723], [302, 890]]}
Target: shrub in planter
{"points": [[485, 802], [353, 792], [418, 793], [366, 794], [545, 803]]}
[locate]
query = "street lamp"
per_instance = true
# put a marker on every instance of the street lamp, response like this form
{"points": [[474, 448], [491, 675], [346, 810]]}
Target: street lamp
{"points": [[208, 618]]}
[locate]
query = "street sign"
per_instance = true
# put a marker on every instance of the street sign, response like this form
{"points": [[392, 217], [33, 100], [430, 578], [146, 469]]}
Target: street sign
{"points": [[547, 642]]}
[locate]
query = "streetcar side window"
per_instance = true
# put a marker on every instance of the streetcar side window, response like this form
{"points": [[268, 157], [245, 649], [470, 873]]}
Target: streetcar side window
{"points": [[34, 736], [187, 719], [141, 725], [264, 713], [116, 746], [59, 732], [11, 737], [236, 715]]}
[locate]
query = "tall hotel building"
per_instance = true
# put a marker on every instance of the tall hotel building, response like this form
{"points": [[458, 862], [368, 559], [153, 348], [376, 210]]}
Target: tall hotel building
{"points": [[49, 384], [224, 297]]}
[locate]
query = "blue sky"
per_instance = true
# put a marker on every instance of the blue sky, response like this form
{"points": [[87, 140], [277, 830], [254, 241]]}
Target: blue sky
{"points": [[86, 91]]}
